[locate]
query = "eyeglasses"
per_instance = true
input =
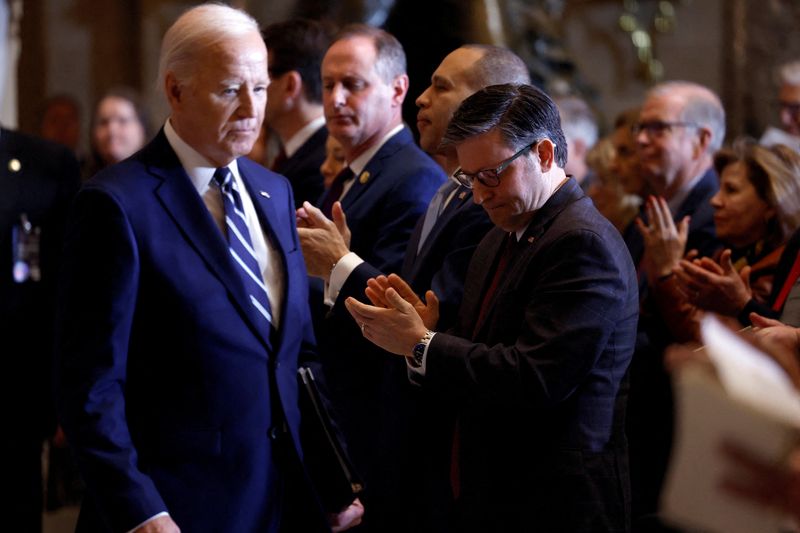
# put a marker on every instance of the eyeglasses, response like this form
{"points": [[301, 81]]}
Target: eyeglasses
{"points": [[489, 177], [656, 128]]}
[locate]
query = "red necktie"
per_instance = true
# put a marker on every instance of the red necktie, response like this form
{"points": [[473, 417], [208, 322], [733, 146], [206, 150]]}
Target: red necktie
{"points": [[503, 260], [502, 264]]}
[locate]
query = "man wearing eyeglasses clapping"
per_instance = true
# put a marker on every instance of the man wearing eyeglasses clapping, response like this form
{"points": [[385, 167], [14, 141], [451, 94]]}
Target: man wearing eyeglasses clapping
{"points": [[544, 334]]}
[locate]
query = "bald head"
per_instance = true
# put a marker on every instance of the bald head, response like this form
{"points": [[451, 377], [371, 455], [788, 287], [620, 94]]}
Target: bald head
{"points": [[461, 73]]}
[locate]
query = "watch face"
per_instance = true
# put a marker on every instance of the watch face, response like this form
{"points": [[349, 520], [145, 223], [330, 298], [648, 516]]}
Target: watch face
{"points": [[418, 352]]}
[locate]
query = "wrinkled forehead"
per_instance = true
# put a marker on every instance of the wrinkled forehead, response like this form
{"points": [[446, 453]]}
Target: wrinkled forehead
{"points": [[662, 106], [355, 54]]}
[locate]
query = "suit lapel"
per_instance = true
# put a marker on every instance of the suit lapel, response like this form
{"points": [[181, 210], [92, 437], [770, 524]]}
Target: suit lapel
{"points": [[526, 248], [461, 198], [186, 208], [372, 170]]}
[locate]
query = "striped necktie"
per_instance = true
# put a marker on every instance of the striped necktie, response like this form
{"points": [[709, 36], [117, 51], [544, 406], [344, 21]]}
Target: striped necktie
{"points": [[239, 243]]}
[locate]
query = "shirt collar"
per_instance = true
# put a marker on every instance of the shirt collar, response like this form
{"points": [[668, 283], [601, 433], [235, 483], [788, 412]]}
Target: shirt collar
{"points": [[298, 139], [200, 170], [357, 165], [680, 196]]}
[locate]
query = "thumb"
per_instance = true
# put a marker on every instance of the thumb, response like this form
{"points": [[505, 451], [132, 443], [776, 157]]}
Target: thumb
{"points": [[432, 301], [683, 226], [339, 218], [763, 322], [395, 300], [745, 275], [725, 261], [313, 214]]}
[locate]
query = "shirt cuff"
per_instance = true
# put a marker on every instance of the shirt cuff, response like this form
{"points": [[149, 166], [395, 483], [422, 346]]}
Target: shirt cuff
{"points": [[341, 271], [162, 513], [415, 372]]}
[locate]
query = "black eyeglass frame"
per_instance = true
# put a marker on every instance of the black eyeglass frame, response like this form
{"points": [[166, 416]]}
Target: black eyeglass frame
{"points": [[489, 177]]}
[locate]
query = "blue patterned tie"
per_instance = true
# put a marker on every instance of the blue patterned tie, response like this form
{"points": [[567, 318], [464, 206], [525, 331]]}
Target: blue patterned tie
{"points": [[239, 243]]}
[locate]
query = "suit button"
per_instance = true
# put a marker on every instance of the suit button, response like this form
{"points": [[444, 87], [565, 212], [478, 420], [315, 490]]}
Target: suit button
{"points": [[275, 432]]}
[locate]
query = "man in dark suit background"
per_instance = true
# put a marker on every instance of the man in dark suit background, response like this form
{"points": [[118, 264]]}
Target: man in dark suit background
{"points": [[183, 311], [37, 182], [544, 334], [294, 106], [681, 125], [384, 189], [415, 442]]}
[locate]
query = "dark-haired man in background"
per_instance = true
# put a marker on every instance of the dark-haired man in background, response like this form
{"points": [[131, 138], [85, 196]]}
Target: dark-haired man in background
{"points": [[294, 102]]}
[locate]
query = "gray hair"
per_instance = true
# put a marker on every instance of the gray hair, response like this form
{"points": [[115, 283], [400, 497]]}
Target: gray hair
{"points": [[497, 65], [577, 120], [702, 106], [390, 58], [196, 30]]}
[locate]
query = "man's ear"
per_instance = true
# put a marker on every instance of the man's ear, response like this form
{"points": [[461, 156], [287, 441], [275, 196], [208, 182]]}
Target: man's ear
{"points": [[293, 84], [703, 140], [173, 89], [546, 151], [399, 90]]}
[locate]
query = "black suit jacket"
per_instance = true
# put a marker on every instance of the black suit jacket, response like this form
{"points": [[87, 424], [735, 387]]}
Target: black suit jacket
{"points": [[302, 169], [415, 425], [37, 179], [537, 385]]}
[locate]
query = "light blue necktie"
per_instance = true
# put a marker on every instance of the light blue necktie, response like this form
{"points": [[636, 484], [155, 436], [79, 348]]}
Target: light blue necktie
{"points": [[239, 243], [435, 209]]}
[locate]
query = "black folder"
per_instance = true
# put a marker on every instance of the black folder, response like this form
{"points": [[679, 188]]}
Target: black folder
{"points": [[331, 471]]}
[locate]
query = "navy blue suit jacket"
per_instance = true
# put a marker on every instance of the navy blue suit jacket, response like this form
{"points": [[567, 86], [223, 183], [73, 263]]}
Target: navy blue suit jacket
{"points": [[302, 169], [170, 391], [416, 427], [382, 208], [537, 383]]}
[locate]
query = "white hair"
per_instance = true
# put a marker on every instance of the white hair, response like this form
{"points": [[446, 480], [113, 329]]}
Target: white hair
{"points": [[196, 30], [702, 106], [577, 120], [790, 73]]}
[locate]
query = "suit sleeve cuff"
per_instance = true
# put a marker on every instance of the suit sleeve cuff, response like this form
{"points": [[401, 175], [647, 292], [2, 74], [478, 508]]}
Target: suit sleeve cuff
{"points": [[162, 513], [416, 373], [341, 271]]}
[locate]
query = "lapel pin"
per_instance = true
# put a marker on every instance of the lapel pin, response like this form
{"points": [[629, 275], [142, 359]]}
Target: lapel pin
{"points": [[265, 194], [363, 178], [14, 165], [530, 240], [462, 195]]}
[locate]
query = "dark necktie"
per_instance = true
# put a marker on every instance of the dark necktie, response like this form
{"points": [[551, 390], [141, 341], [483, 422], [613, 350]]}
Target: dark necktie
{"points": [[239, 243], [509, 247], [502, 263], [279, 160], [335, 191]]}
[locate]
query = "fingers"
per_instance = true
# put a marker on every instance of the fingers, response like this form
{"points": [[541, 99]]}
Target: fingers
{"points": [[432, 300], [398, 302], [725, 261], [642, 227], [314, 216], [340, 219], [683, 228], [402, 288], [361, 313], [764, 322]]}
